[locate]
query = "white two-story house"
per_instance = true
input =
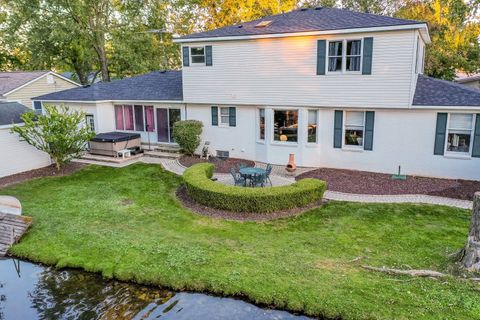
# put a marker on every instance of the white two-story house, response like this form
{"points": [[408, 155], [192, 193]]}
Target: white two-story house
{"points": [[336, 88]]}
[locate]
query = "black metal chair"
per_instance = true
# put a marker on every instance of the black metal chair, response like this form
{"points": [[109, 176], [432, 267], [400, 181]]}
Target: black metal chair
{"points": [[268, 171], [238, 179]]}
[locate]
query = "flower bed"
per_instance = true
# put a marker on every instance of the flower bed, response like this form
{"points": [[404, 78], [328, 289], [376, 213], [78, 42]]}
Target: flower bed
{"points": [[202, 189]]}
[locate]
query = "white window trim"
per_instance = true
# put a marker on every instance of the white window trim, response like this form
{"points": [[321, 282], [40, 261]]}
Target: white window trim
{"points": [[219, 115], [317, 121], [257, 134], [200, 64], [344, 57], [272, 131], [349, 147], [92, 116], [33, 106], [456, 154]]}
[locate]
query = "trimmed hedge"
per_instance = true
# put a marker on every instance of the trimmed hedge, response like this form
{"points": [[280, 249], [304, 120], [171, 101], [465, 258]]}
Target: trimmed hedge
{"points": [[187, 134], [203, 190]]}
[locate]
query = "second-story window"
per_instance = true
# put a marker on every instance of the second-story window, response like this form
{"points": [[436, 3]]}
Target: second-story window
{"points": [[345, 56], [335, 52], [354, 55], [197, 54]]}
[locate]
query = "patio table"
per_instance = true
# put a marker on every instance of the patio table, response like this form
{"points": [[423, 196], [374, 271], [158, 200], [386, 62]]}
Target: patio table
{"points": [[251, 171]]}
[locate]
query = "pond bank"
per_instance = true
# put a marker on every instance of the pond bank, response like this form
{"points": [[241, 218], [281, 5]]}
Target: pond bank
{"points": [[30, 291]]}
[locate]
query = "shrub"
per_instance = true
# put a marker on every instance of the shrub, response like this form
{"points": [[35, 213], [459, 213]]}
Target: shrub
{"points": [[60, 132], [187, 134], [202, 189]]}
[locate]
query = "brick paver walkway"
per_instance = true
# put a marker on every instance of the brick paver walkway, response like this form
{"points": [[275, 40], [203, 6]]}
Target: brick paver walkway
{"points": [[280, 177]]}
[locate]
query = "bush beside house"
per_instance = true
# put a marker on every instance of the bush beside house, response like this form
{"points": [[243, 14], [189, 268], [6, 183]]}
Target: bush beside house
{"points": [[187, 134], [202, 189]]}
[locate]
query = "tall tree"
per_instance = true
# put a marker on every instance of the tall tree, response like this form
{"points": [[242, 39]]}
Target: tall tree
{"points": [[454, 28], [386, 7]]}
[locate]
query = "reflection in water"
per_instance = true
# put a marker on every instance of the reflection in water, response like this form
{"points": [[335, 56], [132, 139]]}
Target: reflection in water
{"points": [[29, 291]]}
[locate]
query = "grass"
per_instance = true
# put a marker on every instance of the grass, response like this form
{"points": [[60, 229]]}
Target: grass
{"points": [[126, 223]]}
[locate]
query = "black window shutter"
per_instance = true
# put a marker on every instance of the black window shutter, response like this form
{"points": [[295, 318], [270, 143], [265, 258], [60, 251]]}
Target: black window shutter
{"points": [[337, 129], [214, 116], [369, 124], [367, 55], [208, 56], [186, 56], [440, 134], [232, 119], [321, 56], [139, 125], [476, 138]]}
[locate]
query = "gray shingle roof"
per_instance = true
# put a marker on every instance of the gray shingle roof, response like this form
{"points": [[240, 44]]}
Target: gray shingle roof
{"points": [[15, 79], [435, 92], [10, 112], [153, 86], [304, 20]]}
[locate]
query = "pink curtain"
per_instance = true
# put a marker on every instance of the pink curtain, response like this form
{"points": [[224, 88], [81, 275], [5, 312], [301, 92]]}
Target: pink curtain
{"points": [[149, 118], [119, 117], [128, 117]]}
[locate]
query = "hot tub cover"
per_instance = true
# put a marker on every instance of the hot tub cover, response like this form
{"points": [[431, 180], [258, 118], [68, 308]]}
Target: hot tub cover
{"points": [[115, 136]]}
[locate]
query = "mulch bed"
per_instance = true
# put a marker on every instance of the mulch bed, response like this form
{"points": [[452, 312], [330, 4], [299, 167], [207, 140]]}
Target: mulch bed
{"points": [[49, 171], [351, 181], [221, 165], [188, 202]]}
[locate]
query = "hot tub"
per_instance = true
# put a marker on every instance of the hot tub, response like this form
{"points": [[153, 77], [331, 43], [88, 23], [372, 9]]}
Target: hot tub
{"points": [[109, 143]]}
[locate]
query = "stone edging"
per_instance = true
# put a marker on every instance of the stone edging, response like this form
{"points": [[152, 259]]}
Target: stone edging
{"points": [[175, 167]]}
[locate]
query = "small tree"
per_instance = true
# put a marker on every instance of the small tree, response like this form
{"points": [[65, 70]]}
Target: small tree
{"points": [[187, 134], [61, 133]]}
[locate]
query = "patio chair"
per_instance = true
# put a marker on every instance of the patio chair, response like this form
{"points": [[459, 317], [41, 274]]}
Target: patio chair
{"points": [[237, 178], [258, 180], [268, 171]]}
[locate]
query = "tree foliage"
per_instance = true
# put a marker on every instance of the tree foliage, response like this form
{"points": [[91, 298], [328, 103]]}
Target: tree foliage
{"points": [[455, 29], [116, 39], [60, 132]]}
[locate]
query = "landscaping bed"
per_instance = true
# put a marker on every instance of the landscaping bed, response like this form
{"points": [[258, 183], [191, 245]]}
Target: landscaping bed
{"points": [[49, 171], [127, 223], [203, 190], [362, 182], [221, 165]]}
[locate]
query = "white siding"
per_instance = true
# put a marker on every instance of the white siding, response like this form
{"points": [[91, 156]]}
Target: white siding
{"points": [[401, 137], [38, 88], [282, 71], [17, 156]]}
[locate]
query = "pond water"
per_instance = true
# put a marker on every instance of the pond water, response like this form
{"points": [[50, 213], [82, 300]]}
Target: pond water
{"points": [[30, 291]]}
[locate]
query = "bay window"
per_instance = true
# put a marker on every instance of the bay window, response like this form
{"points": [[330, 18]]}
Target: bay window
{"points": [[261, 124], [354, 128], [285, 125], [312, 126], [459, 133]]}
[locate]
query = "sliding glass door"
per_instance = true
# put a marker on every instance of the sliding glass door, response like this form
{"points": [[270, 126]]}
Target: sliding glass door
{"points": [[165, 120]]}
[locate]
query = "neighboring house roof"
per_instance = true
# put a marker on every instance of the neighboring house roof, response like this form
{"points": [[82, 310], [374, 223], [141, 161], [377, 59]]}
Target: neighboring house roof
{"points": [[305, 20], [10, 112], [435, 92], [153, 86], [13, 80], [465, 78]]}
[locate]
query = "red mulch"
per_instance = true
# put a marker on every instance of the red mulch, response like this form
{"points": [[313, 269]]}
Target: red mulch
{"points": [[49, 171], [362, 182], [221, 165], [188, 202]]}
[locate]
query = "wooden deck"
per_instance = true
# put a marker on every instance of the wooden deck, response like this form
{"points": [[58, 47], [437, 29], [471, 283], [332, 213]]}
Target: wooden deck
{"points": [[12, 228]]}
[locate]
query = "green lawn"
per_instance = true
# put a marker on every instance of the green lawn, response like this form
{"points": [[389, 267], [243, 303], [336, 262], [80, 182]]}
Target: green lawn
{"points": [[127, 223]]}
